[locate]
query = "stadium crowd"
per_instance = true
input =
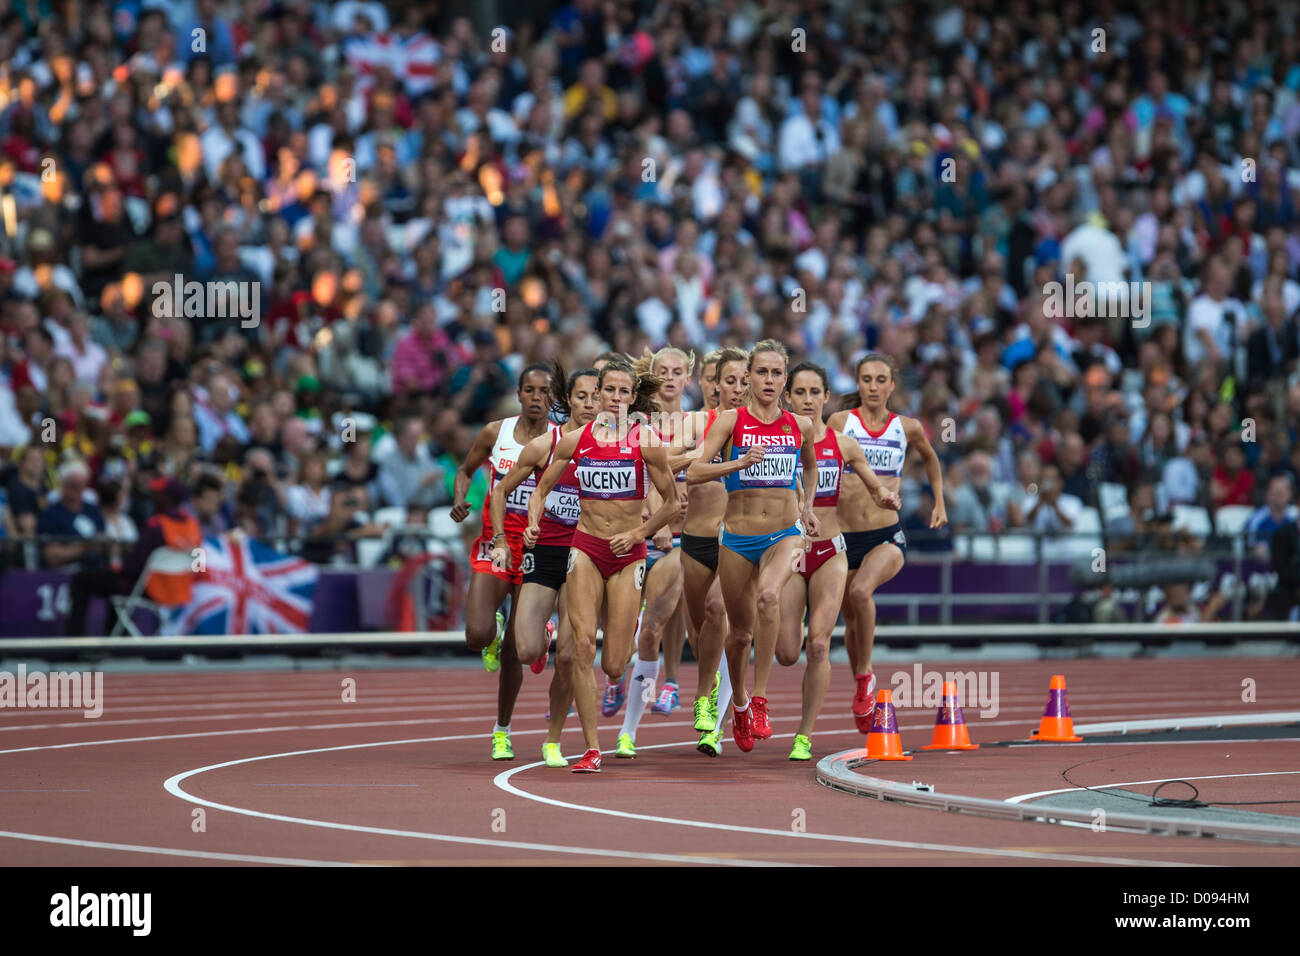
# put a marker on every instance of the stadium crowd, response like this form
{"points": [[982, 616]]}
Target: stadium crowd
{"points": [[417, 205]]}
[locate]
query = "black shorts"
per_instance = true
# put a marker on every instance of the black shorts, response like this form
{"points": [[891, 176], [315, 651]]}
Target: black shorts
{"points": [[547, 565], [703, 549], [857, 544]]}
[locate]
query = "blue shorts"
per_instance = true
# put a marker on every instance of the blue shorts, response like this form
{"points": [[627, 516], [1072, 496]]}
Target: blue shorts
{"points": [[752, 546], [653, 554]]}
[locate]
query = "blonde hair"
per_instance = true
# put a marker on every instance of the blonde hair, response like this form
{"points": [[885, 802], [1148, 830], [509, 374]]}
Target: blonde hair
{"points": [[689, 359], [768, 345]]}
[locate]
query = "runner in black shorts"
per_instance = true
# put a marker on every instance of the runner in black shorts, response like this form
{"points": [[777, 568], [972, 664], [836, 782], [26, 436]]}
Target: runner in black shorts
{"points": [[873, 538], [545, 563]]}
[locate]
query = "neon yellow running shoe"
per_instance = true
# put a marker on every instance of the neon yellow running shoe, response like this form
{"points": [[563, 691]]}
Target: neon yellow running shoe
{"points": [[551, 753], [802, 749], [713, 696], [501, 749], [704, 719], [492, 653], [711, 744], [626, 747]]}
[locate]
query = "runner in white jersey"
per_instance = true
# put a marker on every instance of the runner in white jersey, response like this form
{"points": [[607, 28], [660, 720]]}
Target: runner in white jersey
{"points": [[500, 444], [873, 536], [545, 559]]}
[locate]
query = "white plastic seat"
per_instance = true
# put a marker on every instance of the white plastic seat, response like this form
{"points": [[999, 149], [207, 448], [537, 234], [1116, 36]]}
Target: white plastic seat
{"points": [[394, 517], [1017, 548], [442, 525], [1112, 497], [1192, 519], [1230, 520]]}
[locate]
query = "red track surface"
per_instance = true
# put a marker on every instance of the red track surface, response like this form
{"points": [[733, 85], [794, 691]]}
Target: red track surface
{"points": [[401, 776]]}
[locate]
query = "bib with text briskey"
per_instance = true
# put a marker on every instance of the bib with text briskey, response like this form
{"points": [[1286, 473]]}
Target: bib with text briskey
{"points": [[782, 440], [886, 449]]}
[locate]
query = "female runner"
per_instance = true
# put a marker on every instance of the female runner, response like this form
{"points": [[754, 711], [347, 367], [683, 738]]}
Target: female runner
{"points": [[823, 567], [606, 557], [873, 537], [663, 616], [500, 444], [763, 526], [546, 558], [663, 579], [723, 376]]}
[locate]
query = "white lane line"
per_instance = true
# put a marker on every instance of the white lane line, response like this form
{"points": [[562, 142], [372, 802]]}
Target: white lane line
{"points": [[502, 780], [171, 851], [173, 786], [1135, 783]]}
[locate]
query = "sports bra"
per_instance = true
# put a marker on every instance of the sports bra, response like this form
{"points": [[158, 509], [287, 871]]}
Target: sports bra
{"points": [[783, 441], [610, 471], [830, 463], [886, 450]]}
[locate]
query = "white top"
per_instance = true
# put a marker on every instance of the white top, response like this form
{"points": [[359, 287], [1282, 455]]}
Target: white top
{"points": [[886, 450]]}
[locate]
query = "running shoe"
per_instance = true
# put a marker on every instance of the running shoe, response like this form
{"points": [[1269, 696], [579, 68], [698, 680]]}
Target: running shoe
{"points": [[668, 700], [492, 653], [711, 743], [762, 727], [704, 719], [742, 728], [626, 747], [551, 754], [864, 702], [590, 763], [539, 665], [615, 694], [501, 749], [802, 749]]}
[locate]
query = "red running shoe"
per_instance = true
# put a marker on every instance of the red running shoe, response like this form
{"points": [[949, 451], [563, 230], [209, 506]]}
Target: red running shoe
{"points": [[864, 703], [762, 728], [590, 763], [539, 665], [742, 731]]}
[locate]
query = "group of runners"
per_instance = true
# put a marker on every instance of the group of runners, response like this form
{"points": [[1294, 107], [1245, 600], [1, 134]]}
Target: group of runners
{"points": [[744, 527]]}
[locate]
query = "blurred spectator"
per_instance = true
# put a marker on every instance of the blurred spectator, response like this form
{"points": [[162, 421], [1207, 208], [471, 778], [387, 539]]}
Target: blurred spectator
{"points": [[1278, 509], [1230, 482], [308, 499], [27, 491], [408, 477], [210, 507], [979, 503]]}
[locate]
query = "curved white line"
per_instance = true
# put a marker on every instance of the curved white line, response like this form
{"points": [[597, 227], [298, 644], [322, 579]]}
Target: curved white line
{"points": [[173, 786], [502, 780], [169, 851], [1134, 783]]}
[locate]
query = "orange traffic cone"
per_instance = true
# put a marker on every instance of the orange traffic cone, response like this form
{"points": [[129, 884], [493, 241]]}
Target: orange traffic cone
{"points": [[950, 725], [1057, 724], [883, 742]]}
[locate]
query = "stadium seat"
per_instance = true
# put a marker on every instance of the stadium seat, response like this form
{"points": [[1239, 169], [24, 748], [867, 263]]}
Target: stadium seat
{"points": [[1017, 548], [393, 517], [370, 550], [984, 547], [1230, 520], [1193, 519], [1112, 498], [1089, 521], [441, 524]]}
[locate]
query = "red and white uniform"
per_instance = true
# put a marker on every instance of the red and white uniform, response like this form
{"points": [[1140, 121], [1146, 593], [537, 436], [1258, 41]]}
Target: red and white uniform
{"points": [[886, 449], [830, 469], [505, 452], [563, 507], [613, 471]]}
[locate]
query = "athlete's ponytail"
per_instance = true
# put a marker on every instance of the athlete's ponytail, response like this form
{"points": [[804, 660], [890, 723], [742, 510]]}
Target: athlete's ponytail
{"points": [[854, 398]]}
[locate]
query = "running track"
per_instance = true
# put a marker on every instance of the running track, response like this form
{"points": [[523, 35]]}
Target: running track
{"points": [[285, 772]]}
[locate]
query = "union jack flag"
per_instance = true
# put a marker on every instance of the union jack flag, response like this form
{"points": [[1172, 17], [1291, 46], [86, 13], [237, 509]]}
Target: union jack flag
{"points": [[247, 588]]}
